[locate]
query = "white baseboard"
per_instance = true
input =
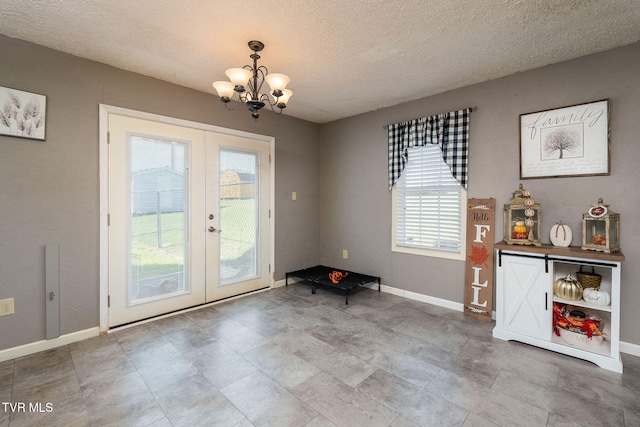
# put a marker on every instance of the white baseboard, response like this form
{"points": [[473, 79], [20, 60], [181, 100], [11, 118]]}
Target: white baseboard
{"points": [[418, 297], [628, 348], [283, 282], [35, 347]]}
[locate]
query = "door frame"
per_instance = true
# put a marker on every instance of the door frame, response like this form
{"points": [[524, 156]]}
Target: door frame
{"points": [[104, 111]]}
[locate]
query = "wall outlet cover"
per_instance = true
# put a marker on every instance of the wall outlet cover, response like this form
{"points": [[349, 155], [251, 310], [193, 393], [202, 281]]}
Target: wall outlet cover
{"points": [[7, 307]]}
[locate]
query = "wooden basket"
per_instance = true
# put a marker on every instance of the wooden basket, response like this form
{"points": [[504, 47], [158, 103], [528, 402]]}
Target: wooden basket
{"points": [[589, 280]]}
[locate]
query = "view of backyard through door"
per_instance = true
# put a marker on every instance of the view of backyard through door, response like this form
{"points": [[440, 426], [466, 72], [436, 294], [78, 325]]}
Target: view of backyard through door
{"points": [[237, 216], [189, 217]]}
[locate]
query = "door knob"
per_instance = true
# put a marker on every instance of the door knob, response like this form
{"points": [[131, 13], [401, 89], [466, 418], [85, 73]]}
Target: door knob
{"points": [[214, 230]]}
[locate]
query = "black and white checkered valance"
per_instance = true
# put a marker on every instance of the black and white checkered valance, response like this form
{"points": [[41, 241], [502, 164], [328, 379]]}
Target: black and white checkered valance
{"points": [[449, 130]]}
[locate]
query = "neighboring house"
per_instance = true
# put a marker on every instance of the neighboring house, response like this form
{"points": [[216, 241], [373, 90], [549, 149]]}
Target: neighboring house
{"points": [[158, 189], [237, 185]]}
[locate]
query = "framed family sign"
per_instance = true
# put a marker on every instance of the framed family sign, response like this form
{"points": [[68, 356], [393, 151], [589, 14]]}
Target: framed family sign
{"points": [[566, 141]]}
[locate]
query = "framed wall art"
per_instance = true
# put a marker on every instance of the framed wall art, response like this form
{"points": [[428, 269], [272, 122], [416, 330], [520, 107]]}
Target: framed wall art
{"points": [[22, 114], [566, 141]]}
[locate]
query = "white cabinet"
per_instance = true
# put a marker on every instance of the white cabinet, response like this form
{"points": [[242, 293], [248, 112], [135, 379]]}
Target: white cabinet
{"points": [[522, 303], [525, 300]]}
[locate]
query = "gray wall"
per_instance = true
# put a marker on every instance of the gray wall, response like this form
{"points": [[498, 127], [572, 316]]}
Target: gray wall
{"points": [[49, 191], [356, 206]]}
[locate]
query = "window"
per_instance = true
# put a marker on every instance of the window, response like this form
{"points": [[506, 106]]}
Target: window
{"points": [[429, 207]]}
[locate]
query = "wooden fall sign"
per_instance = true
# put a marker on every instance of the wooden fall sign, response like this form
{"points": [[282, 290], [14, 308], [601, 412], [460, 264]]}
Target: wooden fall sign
{"points": [[478, 278]]}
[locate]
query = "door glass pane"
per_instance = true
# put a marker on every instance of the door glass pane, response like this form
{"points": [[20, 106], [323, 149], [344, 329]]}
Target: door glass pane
{"points": [[239, 197], [158, 219]]}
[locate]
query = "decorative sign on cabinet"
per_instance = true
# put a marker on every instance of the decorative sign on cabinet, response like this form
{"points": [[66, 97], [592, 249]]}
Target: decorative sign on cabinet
{"points": [[525, 301]]}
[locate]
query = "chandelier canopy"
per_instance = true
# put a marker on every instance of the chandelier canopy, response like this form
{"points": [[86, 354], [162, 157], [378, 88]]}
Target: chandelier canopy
{"points": [[247, 82]]}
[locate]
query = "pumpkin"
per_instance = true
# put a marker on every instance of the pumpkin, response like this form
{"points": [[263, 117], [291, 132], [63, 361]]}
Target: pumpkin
{"points": [[560, 235], [519, 231], [567, 288], [596, 297], [520, 227]]}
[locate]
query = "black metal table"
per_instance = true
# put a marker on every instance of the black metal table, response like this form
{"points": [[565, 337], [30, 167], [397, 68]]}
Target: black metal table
{"points": [[319, 275]]}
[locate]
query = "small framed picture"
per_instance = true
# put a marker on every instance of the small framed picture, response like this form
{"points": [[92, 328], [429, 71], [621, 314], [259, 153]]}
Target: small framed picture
{"points": [[566, 141], [22, 114]]}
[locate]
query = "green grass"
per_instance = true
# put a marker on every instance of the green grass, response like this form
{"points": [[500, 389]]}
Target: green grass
{"points": [[149, 260], [237, 219]]}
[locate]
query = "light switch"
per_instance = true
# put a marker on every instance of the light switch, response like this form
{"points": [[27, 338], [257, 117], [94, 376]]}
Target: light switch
{"points": [[294, 196]]}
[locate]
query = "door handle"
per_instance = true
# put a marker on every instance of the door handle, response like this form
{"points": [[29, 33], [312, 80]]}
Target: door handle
{"points": [[214, 230]]}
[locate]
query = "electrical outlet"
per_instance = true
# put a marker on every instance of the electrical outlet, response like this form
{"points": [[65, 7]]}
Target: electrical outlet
{"points": [[345, 254], [7, 307]]}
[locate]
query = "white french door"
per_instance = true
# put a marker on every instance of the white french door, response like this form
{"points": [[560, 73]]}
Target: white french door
{"points": [[237, 206], [188, 217]]}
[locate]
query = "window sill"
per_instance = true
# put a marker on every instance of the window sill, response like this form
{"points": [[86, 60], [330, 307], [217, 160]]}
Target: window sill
{"points": [[457, 256]]}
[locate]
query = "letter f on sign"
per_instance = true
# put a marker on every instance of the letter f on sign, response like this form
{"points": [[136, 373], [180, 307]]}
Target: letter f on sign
{"points": [[481, 231]]}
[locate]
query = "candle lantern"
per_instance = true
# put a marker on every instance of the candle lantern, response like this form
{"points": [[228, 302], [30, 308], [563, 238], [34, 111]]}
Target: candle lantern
{"points": [[601, 229], [522, 219]]}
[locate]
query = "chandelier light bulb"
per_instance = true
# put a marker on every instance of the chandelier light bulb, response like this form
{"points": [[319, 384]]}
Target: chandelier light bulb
{"points": [[239, 77], [277, 82], [283, 99], [224, 89]]}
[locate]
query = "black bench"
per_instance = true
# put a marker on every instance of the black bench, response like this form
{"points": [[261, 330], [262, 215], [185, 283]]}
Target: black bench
{"points": [[320, 275]]}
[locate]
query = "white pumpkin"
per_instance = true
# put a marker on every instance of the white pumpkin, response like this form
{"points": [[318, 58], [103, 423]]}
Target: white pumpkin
{"points": [[596, 297], [560, 235]]}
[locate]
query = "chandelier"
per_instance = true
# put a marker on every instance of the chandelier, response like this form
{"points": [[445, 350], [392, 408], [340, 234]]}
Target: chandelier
{"points": [[247, 82]]}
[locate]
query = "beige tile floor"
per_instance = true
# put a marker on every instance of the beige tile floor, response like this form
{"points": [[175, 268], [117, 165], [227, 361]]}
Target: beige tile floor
{"points": [[288, 358]]}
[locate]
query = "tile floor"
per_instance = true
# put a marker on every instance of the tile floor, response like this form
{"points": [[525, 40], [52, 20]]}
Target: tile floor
{"points": [[288, 358]]}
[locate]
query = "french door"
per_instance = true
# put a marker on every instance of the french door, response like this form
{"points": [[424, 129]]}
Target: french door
{"points": [[188, 217]]}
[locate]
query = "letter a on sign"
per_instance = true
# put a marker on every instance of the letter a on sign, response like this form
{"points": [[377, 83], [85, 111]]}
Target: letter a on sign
{"points": [[478, 278]]}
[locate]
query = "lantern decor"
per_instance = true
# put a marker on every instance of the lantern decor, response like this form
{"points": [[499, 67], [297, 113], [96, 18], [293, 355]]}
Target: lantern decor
{"points": [[601, 229], [522, 219]]}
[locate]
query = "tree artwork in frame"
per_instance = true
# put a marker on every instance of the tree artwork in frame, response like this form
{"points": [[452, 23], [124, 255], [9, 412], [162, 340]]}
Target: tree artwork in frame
{"points": [[567, 141], [22, 114]]}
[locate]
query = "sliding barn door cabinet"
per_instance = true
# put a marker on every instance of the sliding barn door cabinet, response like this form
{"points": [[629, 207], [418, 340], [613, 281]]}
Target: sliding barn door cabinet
{"points": [[525, 299]]}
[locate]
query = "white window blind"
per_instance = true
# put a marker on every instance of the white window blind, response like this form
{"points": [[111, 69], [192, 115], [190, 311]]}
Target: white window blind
{"points": [[429, 203]]}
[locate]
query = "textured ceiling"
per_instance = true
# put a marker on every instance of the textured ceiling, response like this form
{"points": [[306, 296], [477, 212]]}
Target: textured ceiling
{"points": [[344, 57]]}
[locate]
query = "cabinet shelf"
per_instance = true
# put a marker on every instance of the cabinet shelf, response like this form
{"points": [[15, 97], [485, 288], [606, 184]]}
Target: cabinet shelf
{"points": [[583, 304], [524, 298], [603, 350]]}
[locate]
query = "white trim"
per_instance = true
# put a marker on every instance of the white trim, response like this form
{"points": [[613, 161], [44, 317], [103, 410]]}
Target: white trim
{"points": [[417, 297], [451, 305], [629, 348], [104, 111], [283, 282], [272, 210], [37, 346], [103, 150]]}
